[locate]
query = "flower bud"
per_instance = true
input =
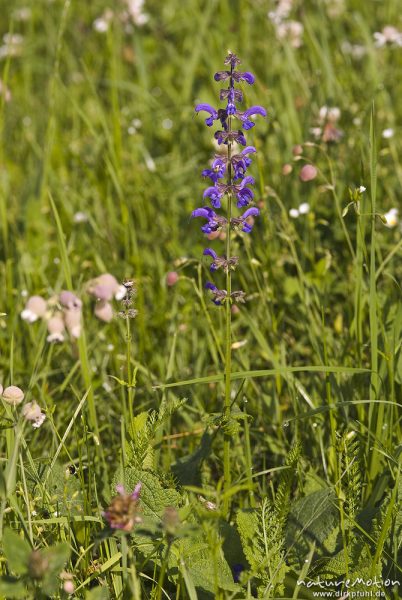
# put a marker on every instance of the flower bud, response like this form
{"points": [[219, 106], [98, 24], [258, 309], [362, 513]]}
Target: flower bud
{"points": [[308, 173], [55, 327], [34, 309], [72, 318], [172, 278], [69, 300], [13, 395], [104, 311], [32, 412]]}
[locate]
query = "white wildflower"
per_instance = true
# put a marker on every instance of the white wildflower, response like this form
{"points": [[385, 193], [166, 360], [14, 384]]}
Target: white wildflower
{"points": [[388, 133], [391, 218], [389, 35], [32, 412]]}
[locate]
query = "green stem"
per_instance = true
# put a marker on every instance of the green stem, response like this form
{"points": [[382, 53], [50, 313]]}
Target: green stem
{"points": [[228, 339], [129, 375], [163, 572]]}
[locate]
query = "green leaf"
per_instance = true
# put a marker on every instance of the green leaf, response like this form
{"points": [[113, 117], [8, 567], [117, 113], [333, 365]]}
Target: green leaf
{"points": [[311, 519], [187, 470], [17, 552], [12, 588], [98, 593], [57, 557]]}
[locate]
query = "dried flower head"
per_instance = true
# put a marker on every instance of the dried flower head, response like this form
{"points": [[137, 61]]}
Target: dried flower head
{"points": [[123, 510], [13, 395]]}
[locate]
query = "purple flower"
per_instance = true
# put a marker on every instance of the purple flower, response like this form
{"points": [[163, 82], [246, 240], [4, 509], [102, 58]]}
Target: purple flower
{"points": [[209, 109], [213, 254], [221, 262], [223, 137], [217, 171], [236, 75], [251, 212], [241, 162], [215, 115], [244, 116], [218, 296], [123, 510], [214, 221], [244, 194], [215, 195]]}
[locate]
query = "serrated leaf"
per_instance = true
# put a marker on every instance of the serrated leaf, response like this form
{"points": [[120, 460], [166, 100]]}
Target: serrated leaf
{"points": [[311, 519], [154, 497], [17, 552], [11, 587]]}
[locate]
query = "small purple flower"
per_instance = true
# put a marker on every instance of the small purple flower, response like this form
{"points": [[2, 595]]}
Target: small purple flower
{"points": [[221, 262], [236, 75], [209, 109], [215, 115], [241, 162], [215, 222], [217, 171], [213, 254], [251, 212], [123, 510], [218, 296], [243, 193], [224, 137], [244, 116], [215, 195]]}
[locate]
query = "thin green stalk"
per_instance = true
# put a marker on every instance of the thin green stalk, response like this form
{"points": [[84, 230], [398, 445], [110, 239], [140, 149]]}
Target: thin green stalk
{"points": [[375, 415], [162, 573], [228, 338]]}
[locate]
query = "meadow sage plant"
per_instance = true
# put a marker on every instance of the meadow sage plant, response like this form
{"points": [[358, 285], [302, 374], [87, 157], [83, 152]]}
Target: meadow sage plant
{"points": [[229, 179]]}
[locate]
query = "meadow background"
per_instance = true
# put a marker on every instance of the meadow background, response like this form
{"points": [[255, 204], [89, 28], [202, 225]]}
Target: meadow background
{"points": [[100, 162]]}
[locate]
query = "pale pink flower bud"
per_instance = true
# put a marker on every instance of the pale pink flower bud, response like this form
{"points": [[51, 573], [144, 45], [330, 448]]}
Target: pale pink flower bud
{"points": [[308, 173], [297, 150], [55, 327], [104, 311], [172, 278], [69, 300], [72, 319], [69, 587], [34, 309], [287, 169], [32, 412], [13, 395]]}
